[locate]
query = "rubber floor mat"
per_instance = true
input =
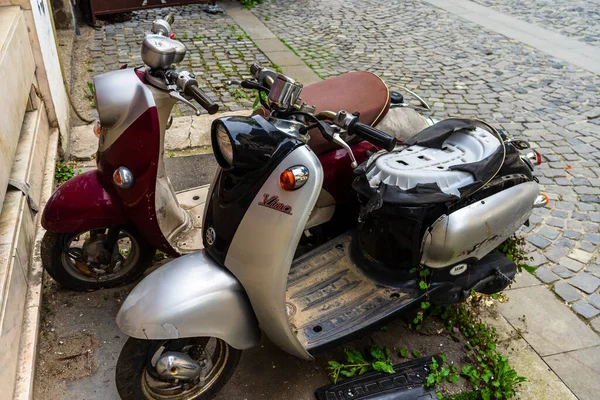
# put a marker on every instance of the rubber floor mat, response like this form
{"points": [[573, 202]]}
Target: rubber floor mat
{"points": [[405, 384], [328, 297]]}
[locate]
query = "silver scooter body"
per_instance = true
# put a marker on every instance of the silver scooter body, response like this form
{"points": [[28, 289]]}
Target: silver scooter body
{"points": [[193, 296]]}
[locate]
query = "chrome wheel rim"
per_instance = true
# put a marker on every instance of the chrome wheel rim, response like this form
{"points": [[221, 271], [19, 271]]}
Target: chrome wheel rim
{"points": [[83, 257], [211, 353]]}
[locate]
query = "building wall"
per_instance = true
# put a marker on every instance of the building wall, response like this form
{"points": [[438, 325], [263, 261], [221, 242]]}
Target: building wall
{"points": [[33, 99], [51, 65], [49, 77]]}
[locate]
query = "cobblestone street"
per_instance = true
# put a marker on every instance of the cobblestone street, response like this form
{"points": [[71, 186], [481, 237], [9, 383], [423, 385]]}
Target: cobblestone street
{"points": [[218, 49], [463, 70]]}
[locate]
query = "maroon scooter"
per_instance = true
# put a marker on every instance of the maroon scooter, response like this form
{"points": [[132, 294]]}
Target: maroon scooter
{"points": [[104, 226]]}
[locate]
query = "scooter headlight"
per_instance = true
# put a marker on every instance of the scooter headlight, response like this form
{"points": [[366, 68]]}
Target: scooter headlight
{"points": [[224, 144]]}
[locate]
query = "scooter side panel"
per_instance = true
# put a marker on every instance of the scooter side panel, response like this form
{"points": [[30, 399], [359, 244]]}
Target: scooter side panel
{"points": [[81, 204], [121, 98], [138, 150], [263, 247], [477, 229], [191, 296]]}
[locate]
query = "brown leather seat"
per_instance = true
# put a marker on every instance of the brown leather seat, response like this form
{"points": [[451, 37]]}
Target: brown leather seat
{"points": [[354, 91], [359, 91]]}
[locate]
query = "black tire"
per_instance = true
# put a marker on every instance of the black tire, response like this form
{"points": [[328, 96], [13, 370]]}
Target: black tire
{"points": [[53, 260], [135, 358]]}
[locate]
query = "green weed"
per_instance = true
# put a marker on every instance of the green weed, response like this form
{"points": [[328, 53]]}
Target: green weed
{"points": [[250, 3], [63, 172], [514, 249], [488, 371], [356, 363]]}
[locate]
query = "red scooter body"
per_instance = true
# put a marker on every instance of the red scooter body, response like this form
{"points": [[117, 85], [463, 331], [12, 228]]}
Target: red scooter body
{"points": [[93, 201], [82, 204]]}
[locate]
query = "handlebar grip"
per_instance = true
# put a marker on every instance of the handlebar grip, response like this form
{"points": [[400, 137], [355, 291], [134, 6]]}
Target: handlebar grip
{"points": [[170, 18], [202, 99], [373, 135]]}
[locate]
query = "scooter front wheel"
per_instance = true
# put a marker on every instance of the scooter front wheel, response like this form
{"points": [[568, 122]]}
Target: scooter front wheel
{"points": [[180, 369], [95, 259]]}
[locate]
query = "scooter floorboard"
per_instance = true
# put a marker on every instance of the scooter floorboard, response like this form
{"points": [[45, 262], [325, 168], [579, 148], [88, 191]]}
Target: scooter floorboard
{"points": [[329, 298]]}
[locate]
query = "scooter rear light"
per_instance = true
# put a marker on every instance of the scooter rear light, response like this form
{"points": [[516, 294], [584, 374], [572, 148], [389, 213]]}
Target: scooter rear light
{"points": [[534, 157]]}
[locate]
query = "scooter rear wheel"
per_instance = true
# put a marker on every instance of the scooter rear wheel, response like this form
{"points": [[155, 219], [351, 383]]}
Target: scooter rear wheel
{"points": [[137, 377], [78, 261]]}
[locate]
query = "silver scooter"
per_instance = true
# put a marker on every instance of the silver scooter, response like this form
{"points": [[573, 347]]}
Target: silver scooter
{"points": [[442, 200]]}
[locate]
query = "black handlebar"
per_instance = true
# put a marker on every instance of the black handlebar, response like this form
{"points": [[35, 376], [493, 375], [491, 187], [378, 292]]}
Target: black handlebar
{"points": [[373, 135], [201, 98]]}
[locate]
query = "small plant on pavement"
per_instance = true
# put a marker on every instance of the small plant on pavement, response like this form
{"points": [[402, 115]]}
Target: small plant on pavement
{"points": [[488, 371], [63, 172], [441, 372], [514, 249], [92, 94], [250, 3], [423, 285], [357, 364]]}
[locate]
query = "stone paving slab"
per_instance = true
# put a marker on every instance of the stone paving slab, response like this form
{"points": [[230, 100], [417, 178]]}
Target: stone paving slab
{"points": [[194, 131], [185, 133], [546, 324], [578, 19], [522, 280], [559, 46], [580, 370], [273, 47], [542, 382]]}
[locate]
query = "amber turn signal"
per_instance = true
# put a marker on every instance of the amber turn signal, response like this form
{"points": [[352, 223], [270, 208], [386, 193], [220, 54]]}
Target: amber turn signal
{"points": [[294, 177], [287, 180], [123, 178], [541, 201], [98, 128]]}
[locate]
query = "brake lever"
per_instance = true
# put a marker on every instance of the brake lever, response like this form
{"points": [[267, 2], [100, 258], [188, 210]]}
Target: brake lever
{"points": [[341, 142], [174, 94]]}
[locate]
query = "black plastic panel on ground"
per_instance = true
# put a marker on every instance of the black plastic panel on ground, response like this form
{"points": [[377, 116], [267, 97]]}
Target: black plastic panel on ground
{"points": [[405, 384]]}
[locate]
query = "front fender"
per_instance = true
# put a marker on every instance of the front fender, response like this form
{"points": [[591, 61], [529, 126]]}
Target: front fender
{"points": [[82, 204], [191, 296]]}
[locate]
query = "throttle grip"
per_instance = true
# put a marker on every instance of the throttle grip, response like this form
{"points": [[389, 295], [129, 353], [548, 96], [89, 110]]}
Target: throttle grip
{"points": [[373, 135], [201, 98]]}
